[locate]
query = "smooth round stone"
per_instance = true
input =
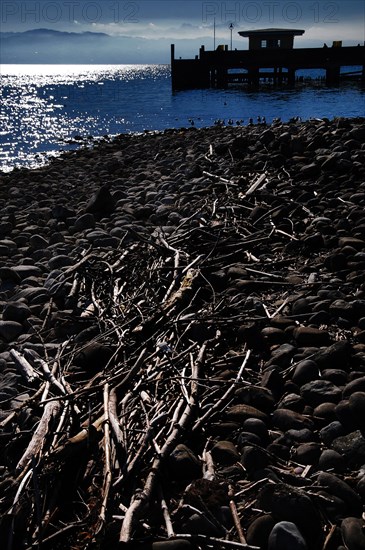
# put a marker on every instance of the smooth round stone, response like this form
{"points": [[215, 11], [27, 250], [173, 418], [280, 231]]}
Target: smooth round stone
{"points": [[60, 261], [254, 458], [16, 311], [352, 447], [256, 396], [336, 376], [331, 460], [272, 335], [282, 355], [86, 221], [259, 530], [246, 438], [357, 407], [309, 336], [357, 385], [345, 415], [225, 453], [305, 371], [293, 402], [300, 436], [10, 330], [352, 529], [339, 488], [325, 411], [335, 356], [307, 453], [288, 503], [285, 419], [25, 271], [37, 241], [320, 391], [241, 412], [257, 427], [183, 464], [285, 535], [279, 450], [331, 431]]}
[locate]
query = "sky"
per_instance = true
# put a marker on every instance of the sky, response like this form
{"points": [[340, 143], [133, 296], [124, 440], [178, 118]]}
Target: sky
{"points": [[151, 25]]}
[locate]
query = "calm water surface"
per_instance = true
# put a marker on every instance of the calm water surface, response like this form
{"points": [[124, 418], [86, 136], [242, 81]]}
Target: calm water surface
{"points": [[45, 107]]}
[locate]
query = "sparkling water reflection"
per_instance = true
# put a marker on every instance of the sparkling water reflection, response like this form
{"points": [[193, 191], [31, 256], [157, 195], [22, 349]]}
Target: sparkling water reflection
{"points": [[48, 108]]}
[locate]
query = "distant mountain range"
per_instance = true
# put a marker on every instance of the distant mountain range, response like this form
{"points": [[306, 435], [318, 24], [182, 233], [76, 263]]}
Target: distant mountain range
{"points": [[51, 46]]}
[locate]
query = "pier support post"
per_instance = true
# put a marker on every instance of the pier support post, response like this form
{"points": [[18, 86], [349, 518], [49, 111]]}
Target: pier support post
{"points": [[291, 76], [253, 76], [332, 75]]}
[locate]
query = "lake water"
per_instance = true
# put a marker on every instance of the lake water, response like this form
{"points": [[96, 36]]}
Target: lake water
{"points": [[45, 107]]}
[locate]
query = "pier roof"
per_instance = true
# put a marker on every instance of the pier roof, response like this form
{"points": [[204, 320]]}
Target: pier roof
{"points": [[271, 32]]}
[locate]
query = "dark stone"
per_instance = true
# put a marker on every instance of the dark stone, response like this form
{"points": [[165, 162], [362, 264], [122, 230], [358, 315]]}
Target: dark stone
{"points": [[352, 447], [16, 311], [285, 419], [93, 357], [273, 335], [309, 336], [257, 427], [300, 436], [335, 356], [339, 488], [102, 203], [254, 458], [273, 380], [256, 396], [307, 453], [246, 438], [293, 402], [259, 530], [353, 534], [345, 415], [286, 536], [357, 407], [325, 411], [336, 376], [357, 385], [279, 450], [305, 371], [225, 453], [241, 412], [287, 503], [10, 330], [331, 431], [183, 464], [319, 391], [282, 355], [331, 460]]}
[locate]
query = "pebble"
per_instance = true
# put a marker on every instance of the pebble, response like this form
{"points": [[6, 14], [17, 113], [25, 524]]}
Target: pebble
{"points": [[10, 330], [285, 535]]}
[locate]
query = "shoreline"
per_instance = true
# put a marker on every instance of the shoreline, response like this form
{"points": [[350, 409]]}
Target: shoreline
{"points": [[198, 296]]}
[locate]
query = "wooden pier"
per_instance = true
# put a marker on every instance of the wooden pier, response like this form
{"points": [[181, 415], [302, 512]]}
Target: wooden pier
{"points": [[270, 57]]}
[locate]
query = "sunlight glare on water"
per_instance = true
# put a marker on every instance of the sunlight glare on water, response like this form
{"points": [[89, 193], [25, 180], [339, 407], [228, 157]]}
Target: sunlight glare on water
{"points": [[49, 108]]}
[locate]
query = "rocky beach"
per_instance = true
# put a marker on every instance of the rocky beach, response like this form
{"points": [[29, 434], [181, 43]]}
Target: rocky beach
{"points": [[182, 335]]}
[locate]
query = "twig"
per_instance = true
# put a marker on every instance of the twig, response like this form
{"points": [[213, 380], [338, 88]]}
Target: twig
{"points": [[217, 406], [236, 519], [51, 411], [24, 367], [107, 451], [166, 514]]}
